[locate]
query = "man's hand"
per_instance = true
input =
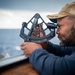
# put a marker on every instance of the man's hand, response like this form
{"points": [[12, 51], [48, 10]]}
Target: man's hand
{"points": [[29, 47]]}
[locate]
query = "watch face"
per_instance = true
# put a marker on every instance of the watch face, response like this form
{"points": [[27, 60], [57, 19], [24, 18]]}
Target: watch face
{"points": [[10, 51]]}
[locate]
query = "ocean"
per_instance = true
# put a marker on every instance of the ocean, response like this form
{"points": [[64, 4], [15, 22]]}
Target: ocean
{"points": [[10, 43]]}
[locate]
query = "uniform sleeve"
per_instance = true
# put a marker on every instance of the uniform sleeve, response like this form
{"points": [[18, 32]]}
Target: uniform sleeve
{"points": [[49, 64]]}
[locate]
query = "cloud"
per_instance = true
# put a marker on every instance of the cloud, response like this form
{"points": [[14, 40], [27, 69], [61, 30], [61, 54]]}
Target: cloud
{"points": [[13, 19]]}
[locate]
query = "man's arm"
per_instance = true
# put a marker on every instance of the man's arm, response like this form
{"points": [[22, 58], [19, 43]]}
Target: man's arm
{"points": [[49, 64], [59, 50]]}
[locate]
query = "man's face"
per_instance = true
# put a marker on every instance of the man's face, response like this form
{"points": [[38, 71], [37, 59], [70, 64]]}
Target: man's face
{"points": [[66, 31]]}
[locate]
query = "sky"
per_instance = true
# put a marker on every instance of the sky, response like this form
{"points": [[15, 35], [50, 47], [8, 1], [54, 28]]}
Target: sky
{"points": [[14, 12]]}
